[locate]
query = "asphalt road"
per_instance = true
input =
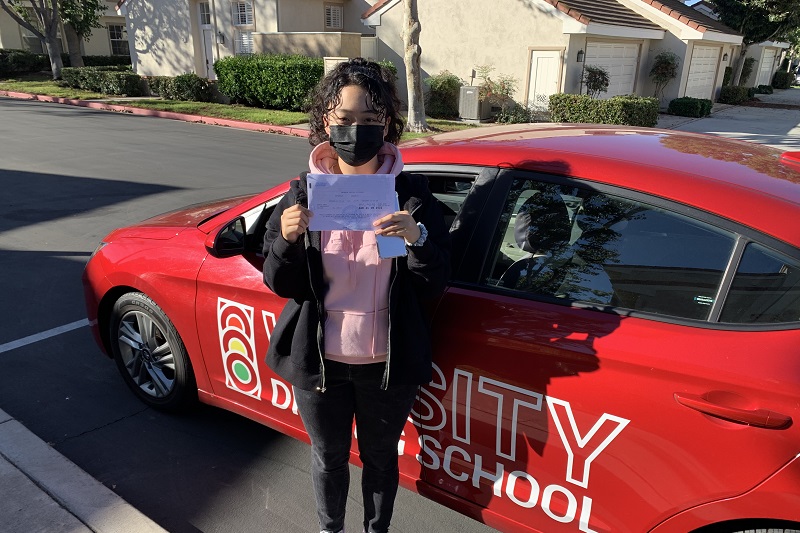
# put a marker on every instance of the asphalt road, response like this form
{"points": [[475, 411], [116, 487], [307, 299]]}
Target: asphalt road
{"points": [[68, 176]]}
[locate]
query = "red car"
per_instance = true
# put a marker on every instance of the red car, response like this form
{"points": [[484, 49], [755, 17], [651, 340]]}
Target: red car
{"points": [[618, 349]]}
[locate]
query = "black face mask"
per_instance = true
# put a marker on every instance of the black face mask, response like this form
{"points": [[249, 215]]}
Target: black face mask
{"points": [[358, 144]]}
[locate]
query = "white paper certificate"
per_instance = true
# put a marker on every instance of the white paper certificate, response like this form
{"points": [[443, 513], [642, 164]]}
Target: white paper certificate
{"points": [[349, 201]]}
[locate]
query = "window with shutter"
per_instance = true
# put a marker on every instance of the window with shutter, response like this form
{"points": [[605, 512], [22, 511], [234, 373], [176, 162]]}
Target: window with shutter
{"points": [[334, 15], [244, 42], [242, 13]]}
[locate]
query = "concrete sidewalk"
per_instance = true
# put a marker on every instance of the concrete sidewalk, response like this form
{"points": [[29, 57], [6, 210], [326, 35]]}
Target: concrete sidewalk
{"points": [[777, 126], [43, 491]]}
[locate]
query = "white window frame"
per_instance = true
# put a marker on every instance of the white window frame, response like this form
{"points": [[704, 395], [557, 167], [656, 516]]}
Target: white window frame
{"points": [[244, 43], [204, 9], [122, 39], [334, 13], [242, 13]]}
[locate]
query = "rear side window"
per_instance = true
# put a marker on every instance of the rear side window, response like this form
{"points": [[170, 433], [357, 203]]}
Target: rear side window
{"points": [[562, 241], [765, 289]]}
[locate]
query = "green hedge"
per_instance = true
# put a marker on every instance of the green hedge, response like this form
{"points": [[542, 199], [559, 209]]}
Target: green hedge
{"points": [[21, 62], [24, 62], [271, 81], [690, 107], [187, 87], [625, 110], [764, 89], [734, 94], [107, 80], [441, 100], [782, 79]]}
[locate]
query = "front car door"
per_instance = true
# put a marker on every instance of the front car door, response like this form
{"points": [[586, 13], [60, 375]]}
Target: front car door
{"points": [[578, 354]]}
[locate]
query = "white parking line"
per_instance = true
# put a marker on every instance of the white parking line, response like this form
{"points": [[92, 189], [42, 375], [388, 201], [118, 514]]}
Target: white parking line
{"points": [[30, 339]]}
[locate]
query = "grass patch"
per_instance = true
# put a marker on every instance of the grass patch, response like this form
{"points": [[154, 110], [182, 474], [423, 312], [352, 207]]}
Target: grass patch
{"points": [[44, 84], [233, 111], [438, 126]]}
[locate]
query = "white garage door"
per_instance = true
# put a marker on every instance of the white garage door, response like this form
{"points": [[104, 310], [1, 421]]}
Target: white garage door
{"points": [[703, 72], [766, 67], [620, 59]]}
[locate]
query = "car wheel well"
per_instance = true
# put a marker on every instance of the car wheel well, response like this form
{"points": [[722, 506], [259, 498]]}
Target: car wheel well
{"points": [[104, 314], [751, 526]]}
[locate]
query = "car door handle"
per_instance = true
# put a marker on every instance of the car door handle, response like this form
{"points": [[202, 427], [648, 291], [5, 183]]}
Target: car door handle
{"points": [[762, 418]]}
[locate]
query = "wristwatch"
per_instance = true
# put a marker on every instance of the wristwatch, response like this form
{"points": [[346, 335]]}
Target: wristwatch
{"points": [[423, 235]]}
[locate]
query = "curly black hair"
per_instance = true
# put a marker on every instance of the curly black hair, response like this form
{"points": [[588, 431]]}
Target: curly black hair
{"points": [[379, 83]]}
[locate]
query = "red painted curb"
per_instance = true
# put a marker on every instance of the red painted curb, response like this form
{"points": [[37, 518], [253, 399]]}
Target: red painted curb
{"points": [[239, 124]]}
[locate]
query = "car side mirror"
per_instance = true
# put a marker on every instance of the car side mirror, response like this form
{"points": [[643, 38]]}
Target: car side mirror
{"points": [[229, 241]]}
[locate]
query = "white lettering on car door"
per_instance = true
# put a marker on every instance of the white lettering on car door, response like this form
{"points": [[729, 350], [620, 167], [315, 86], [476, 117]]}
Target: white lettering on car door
{"points": [[590, 445]]}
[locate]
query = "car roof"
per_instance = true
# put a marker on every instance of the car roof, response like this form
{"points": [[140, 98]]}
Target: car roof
{"points": [[741, 181]]}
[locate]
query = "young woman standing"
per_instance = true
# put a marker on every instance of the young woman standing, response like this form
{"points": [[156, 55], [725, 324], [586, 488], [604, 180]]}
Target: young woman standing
{"points": [[353, 339]]}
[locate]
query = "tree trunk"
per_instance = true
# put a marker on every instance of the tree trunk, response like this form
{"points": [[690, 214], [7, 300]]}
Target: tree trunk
{"points": [[412, 51], [53, 45], [74, 46]]}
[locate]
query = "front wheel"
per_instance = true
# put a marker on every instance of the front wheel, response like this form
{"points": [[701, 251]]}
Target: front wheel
{"points": [[150, 354]]}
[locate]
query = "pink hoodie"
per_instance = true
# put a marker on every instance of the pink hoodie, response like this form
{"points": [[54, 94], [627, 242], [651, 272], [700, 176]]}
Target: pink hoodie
{"points": [[357, 301]]}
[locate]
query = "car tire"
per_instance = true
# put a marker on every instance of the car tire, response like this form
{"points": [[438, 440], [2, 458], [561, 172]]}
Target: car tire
{"points": [[150, 354]]}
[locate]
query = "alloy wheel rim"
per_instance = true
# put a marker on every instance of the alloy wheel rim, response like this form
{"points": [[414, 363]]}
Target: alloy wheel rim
{"points": [[147, 354]]}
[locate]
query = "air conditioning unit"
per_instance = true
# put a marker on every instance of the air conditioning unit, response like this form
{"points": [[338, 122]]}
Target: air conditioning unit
{"points": [[470, 106]]}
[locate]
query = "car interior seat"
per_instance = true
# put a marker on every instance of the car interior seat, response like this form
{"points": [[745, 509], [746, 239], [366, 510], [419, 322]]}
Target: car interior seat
{"points": [[543, 229]]}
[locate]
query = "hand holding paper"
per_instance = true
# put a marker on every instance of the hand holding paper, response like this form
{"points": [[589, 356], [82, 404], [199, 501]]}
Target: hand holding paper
{"points": [[349, 201]]}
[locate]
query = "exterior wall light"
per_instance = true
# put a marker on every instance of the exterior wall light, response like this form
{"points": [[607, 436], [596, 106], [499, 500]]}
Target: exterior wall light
{"points": [[724, 57], [581, 56], [220, 38]]}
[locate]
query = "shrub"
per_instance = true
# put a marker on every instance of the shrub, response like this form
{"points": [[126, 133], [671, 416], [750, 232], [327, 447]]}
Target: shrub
{"points": [[189, 87], [764, 89], [690, 107], [441, 101], [733, 94], [108, 80], [596, 80], [726, 78], [385, 63], [105, 61], [21, 62], [115, 82], [664, 70], [751, 92], [272, 81], [516, 114], [747, 69], [782, 79], [626, 110]]}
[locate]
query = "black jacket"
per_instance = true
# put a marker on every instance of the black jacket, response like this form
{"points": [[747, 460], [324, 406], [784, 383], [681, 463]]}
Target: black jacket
{"points": [[294, 271]]}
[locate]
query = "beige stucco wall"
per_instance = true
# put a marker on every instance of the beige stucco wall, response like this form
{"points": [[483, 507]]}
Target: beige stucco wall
{"points": [[99, 43], [163, 41], [10, 36], [309, 15], [475, 34], [319, 44]]}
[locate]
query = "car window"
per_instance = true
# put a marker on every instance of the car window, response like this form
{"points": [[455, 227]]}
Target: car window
{"points": [[578, 244], [256, 224], [765, 289], [451, 191]]}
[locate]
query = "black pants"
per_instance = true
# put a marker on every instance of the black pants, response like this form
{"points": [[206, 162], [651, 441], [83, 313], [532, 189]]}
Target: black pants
{"points": [[353, 391]]}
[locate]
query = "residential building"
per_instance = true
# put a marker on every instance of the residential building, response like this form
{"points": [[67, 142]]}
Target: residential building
{"points": [[110, 39]]}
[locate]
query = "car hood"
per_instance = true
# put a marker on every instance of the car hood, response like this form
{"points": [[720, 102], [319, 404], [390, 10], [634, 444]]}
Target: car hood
{"points": [[170, 224]]}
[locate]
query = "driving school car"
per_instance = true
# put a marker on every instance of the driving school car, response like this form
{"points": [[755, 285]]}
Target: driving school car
{"points": [[618, 348]]}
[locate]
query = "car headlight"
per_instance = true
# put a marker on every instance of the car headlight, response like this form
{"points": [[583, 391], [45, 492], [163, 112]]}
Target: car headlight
{"points": [[99, 247]]}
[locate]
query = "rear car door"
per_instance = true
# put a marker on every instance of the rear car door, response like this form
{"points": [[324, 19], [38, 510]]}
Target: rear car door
{"points": [[584, 377]]}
